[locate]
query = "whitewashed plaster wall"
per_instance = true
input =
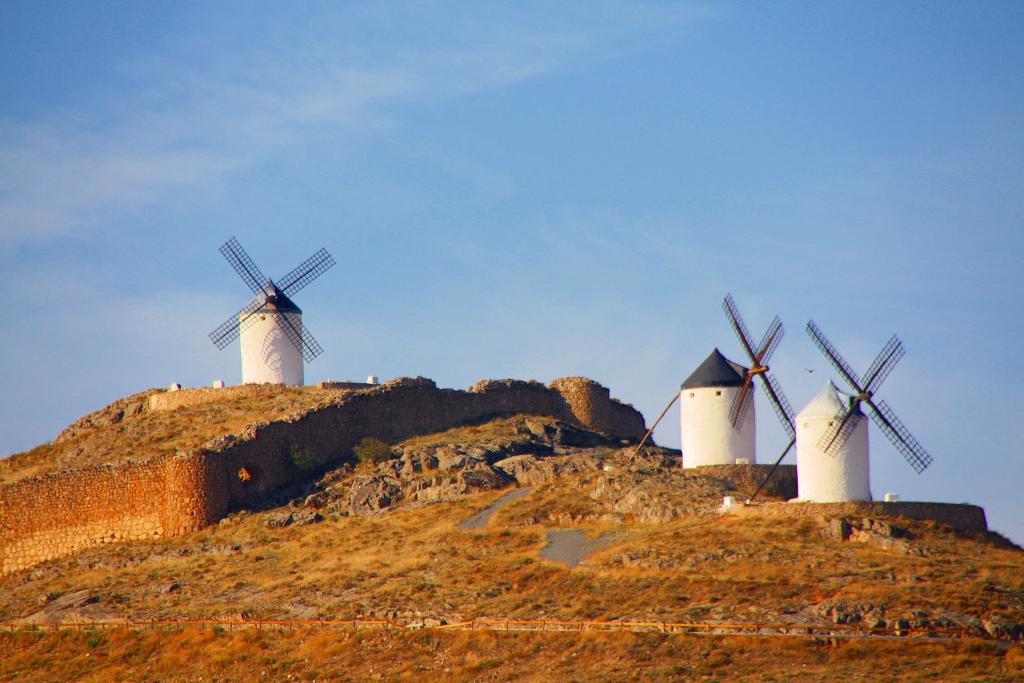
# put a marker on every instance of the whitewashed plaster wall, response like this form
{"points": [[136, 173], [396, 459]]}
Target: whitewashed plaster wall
{"points": [[824, 478], [267, 353], [708, 437]]}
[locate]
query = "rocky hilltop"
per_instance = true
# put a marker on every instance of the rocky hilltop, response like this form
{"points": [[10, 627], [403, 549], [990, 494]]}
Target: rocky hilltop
{"points": [[436, 530], [161, 483], [522, 451]]}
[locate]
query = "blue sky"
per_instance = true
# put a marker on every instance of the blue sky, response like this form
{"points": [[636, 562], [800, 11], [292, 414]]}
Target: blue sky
{"points": [[526, 190]]}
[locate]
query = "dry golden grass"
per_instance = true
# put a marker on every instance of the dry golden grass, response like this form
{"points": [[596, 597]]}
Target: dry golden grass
{"points": [[492, 430], [561, 505], [310, 654], [415, 560]]}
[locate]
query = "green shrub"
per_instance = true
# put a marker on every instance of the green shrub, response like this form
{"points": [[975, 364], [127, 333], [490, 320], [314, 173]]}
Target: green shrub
{"points": [[373, 451], [304, 458]]}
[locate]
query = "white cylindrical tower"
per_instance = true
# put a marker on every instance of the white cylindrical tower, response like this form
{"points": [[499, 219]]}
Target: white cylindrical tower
{"points": [[268, 353], [705, 400], [824, 478]]}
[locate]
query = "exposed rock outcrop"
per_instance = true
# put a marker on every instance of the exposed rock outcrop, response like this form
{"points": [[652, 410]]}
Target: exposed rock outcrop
{"points": [[648, 488], [121, 409]]}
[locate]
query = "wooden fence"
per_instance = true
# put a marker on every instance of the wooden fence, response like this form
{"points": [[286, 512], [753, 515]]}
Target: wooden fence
{"points": [[711, 628]]}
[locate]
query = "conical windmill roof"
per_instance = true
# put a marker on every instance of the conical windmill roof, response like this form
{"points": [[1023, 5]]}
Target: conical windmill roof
{"points": [[277, 300], [716, 371], [829, 402]]}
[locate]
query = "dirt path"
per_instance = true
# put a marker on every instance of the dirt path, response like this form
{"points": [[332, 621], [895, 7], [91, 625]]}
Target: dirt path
{"points": [[478, 520], [570, 546]]}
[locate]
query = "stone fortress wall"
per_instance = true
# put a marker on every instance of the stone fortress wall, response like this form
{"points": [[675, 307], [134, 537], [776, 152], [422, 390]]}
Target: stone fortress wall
{"points": [[589, 401], [58, 514], [169, 400], [958, 516], [783, 484], [194, 396]]}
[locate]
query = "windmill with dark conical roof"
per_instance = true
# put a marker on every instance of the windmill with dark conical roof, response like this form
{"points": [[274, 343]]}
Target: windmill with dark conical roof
{"points": [[709, 434], [716, 414], [273, 339]]}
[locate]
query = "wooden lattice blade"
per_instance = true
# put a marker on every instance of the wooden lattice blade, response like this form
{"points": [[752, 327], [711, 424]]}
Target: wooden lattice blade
{"points": [[894, 430], [884, 363], [307, 271], [243, 265], [826, 347], [732, 312]]}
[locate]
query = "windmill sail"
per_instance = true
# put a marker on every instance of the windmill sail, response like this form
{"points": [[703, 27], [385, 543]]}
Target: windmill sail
{"points": [[883, 364], [894, 430], [300, 337], [243, 265], [835, 436], [229, 330], [740, 408], [783, 410], [842, 427], [826, 347], [307, 271], [759, 357]]}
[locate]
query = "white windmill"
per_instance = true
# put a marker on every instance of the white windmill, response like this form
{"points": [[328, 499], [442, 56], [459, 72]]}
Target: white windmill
{"points": [[716, 415], [706, 404], [274, 341], [832, 437], [844, 475]]}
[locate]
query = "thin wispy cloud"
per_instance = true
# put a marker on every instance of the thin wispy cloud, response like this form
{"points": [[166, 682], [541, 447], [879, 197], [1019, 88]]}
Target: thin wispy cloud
{"points": [[192, 126]]}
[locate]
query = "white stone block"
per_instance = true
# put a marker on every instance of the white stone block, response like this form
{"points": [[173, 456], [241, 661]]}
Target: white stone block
{"points": [[372, 379], [217, 384], [891, 497], [174, 387]]}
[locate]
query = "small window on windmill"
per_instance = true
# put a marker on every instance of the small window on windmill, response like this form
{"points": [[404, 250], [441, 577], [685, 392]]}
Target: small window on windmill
{"points": [[244, 475], [691, 394], [718, 393]]}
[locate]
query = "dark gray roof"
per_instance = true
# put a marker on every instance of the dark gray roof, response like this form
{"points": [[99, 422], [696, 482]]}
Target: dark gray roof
{"points": [[277, 300], [716, 371]]}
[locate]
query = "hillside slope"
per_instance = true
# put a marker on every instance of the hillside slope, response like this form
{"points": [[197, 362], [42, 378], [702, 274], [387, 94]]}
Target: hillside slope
{"points": [[128, 428], [384, 541]]}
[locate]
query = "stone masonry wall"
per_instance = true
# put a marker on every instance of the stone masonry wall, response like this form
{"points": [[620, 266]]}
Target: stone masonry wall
{"points": [[58, 514], [958, 516], [193, 396], [627, 421], [55, 515], [589, 401], [394, 411]]}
